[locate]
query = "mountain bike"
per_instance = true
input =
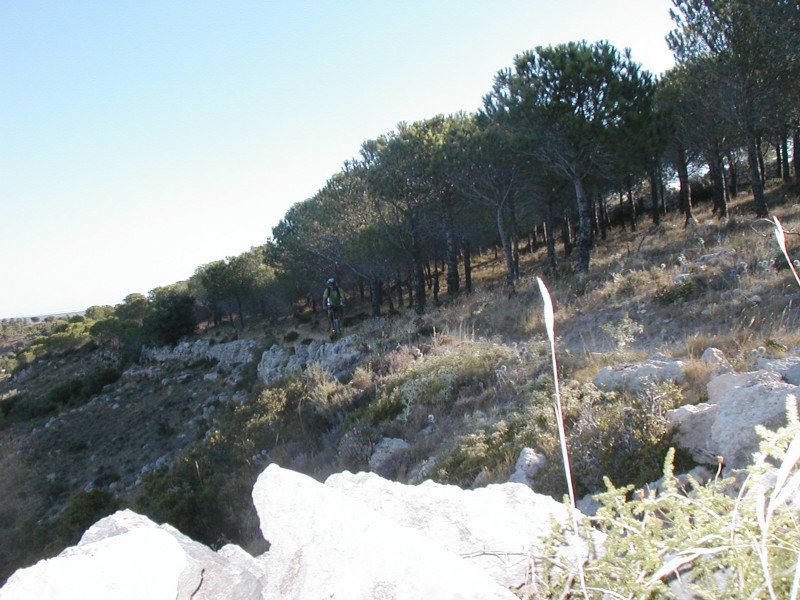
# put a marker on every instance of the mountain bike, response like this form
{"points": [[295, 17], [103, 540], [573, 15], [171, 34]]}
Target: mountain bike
{"points": [[335, 321]]}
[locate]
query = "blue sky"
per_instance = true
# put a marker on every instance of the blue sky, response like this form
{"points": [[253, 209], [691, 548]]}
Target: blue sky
{"points": [[142, 139]]}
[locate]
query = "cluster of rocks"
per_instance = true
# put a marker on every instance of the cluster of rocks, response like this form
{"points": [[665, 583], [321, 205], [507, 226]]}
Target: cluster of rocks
{"points": [[338, 357], [722, 429], [228, 358]]}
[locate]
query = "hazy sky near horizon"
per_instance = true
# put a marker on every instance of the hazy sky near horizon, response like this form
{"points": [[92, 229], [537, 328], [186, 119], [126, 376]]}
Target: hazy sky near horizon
{"points": [[142, 139]]}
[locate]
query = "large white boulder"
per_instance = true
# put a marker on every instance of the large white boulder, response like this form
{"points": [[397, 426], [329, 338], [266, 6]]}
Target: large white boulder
{"points": [[497, 528], [127, 556], [326, 544], [725, 426]]}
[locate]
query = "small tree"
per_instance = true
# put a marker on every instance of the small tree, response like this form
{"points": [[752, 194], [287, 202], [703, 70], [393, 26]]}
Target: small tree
{"points": [[171, 315]]}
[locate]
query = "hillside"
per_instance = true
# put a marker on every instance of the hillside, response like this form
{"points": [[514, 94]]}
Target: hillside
{"points": [[476, 367]]}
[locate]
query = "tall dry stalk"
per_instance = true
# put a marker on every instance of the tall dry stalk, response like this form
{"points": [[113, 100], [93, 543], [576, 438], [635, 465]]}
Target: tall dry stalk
{"points": [[550, 325], [781, 237]]}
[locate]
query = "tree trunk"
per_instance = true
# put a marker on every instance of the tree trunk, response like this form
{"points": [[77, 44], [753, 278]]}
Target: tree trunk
{"points": [[758, 188], [240, 310], [720, 207], [467, 267], [417, 275], [549, 237], [684, 193], [376, 295], [566, 235], [389, 299], [605, 222], [514, 236], [655, 209], [451, 251], [733, 176], [796, 151], [436, 281], [785, 158], [399, 290], [632, 204], [762, 170], [505, 242], [585, 237]]}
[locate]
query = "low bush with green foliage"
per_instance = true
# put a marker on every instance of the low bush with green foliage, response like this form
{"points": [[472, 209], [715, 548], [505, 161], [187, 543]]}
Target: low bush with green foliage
{"points": [[689, 288], [727, 538], [436, 380], [64, 395]]}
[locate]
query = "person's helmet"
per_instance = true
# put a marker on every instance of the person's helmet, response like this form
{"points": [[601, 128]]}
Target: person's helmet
{"points": [[331, 281]]}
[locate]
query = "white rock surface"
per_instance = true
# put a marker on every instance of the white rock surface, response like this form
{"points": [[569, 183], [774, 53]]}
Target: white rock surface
{"points": [[325, 544], [127, 556], [495, 528], [528, 464], [634, 376], [726, 425]]}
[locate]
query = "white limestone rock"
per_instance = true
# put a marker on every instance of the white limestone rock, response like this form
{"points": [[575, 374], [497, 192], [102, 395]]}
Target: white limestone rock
{"points": [[127, 556], [634, 376], [336, 357], [528, 464], [325, 544], [725, 426], [385, 452], [496, 528]]}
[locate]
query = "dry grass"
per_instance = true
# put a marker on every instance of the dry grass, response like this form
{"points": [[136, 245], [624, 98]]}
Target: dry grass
{"points": [[741, 293]]}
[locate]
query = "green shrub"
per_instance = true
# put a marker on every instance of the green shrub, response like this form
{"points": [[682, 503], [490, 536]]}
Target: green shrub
{"points": [[620, 436], [492, 450], [84, 509], [724, 539], [437, 380], [76, 392], [25, 406], [67, 394], [689, 288]]}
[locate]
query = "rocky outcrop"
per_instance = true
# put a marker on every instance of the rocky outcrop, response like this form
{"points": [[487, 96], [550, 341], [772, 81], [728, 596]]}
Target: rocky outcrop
{"points": [[339, 358], [230, 358], [723, 429], [360, 536], [496, 529], [326, 543], [634, 376], [528, 464], [228, 354]]}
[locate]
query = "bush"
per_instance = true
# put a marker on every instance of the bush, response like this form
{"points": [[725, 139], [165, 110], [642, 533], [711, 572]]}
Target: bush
{"points": [[492, 450], [684, 290], [722, 539], [67, 394], [622, 437], [24, 406], [83, 510], [437, 380]]}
